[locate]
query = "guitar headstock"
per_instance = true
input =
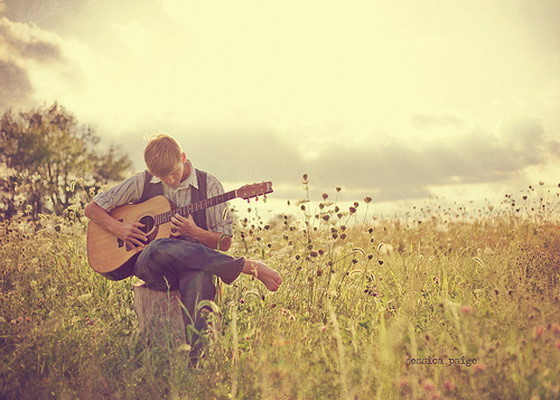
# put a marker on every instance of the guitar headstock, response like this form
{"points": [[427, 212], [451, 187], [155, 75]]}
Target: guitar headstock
{"points": [[254, 190]]}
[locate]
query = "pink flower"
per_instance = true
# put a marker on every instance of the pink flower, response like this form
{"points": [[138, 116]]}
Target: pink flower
{"points": [[539, 330], [428, 385], [466, 309], [479, 367]]}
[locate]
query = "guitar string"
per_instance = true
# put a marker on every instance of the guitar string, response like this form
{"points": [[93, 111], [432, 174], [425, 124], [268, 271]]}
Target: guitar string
{"points": [[194, 207]]}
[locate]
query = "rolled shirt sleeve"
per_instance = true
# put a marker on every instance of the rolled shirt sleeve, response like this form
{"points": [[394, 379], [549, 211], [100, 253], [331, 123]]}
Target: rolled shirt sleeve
{"points": [[126, 192]]}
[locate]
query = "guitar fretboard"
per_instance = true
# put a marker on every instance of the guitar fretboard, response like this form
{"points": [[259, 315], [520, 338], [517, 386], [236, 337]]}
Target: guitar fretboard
{"points": [[194, 207]]}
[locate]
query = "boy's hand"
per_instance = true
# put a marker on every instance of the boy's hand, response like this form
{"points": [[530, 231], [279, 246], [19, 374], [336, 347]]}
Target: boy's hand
{"points": [[184, 226], [131, 234]]}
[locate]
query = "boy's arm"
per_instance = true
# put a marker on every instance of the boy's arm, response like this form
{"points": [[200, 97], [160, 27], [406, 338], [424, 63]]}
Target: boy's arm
{"points": [[186, 226], [128, 191], [127, 232]]}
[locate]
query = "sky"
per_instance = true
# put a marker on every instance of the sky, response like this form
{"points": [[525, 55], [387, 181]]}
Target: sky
{"points": [[397, 100]]}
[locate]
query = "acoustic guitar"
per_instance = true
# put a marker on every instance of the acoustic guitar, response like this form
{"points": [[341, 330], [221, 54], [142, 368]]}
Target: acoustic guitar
{"points": [[114, 259]]}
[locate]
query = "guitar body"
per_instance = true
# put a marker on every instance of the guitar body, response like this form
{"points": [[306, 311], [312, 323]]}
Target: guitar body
{"points": [[112, 258]]}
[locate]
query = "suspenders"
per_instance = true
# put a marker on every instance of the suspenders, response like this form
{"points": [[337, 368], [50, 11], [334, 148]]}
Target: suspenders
{"points": [[155, 189]]}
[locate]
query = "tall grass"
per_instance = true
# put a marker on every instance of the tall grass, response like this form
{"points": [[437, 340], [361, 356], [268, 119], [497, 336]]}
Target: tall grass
{"points": [[362, 299]]}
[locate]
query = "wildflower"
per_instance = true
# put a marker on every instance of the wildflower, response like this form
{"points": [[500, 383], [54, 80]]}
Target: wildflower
{"points": [[403, 383], [323, 328], [367, 199], [538, 331], [338, 188], [541, 183], [448, 385], [466, 309], [428, 385], [325, 196], [304, 179], [184, 348], [479, 367]]}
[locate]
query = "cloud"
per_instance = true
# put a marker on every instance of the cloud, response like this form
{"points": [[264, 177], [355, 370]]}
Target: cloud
{"points": [[28, 42], [542, 20], [23, 49], [388, 172], [15, 84], [425, 121]]}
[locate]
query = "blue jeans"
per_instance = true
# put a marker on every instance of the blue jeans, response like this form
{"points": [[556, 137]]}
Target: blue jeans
{"points": [[171, 264]]}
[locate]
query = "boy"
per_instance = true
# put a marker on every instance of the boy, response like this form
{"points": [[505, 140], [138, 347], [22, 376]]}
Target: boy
{"points": [[188, 260]]}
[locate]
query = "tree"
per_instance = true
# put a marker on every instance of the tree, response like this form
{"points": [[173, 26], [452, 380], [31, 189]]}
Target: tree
{"points": [[48, 161]]}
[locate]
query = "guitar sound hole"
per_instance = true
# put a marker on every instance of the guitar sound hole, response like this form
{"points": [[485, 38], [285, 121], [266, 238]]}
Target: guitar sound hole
{"points": [[148, 222]]}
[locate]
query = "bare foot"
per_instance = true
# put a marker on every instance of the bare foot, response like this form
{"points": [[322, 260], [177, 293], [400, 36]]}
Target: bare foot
{"points": [[271, 278]]}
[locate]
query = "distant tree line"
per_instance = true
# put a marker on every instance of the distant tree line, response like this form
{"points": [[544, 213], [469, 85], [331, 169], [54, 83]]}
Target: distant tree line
{"points": [[50, 163]]}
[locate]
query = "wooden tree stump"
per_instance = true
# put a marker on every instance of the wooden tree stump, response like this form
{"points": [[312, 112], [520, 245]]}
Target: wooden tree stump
{"points": [[160, 318]]}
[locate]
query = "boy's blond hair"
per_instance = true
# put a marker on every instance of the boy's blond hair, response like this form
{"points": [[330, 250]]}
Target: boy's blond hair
{"points": [[162, 154]]}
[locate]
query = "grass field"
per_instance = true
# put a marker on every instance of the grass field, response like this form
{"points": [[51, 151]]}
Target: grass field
{"points": [[442, 306]]}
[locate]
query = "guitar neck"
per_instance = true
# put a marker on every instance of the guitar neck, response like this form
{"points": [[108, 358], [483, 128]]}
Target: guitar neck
{"points": [[194, 207]]}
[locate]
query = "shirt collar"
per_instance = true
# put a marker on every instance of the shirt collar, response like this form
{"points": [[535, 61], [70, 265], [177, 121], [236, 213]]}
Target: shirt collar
{"points": [[190, 181]]}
